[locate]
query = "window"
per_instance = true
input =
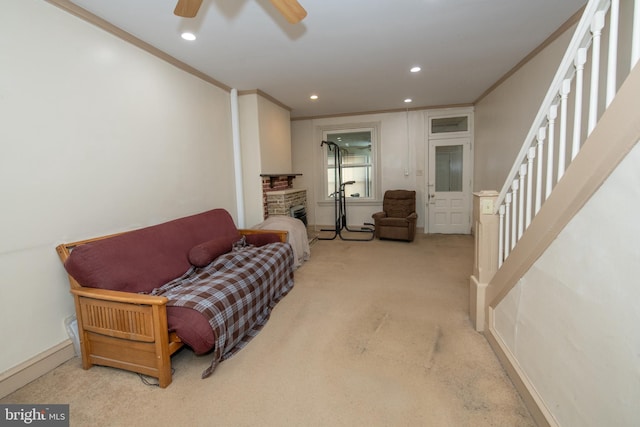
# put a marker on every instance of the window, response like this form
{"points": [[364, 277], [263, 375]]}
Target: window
{"points": [[450, 126], [355, 149], [449, 168]]}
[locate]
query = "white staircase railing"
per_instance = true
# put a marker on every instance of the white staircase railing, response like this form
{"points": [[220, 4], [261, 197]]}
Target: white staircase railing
{"points": [[569, 111]]}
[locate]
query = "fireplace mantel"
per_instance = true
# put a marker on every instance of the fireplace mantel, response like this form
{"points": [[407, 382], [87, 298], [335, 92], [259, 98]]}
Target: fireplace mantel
{"points": [[285, 192], [274, 176]]}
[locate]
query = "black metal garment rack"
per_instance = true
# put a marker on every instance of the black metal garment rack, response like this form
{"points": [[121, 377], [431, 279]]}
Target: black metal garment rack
{"points": [[340, 201]]}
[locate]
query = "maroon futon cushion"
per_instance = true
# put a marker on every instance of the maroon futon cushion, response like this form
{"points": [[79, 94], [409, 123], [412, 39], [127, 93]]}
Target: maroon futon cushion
{"points": [[144, 259], [204, 253], [192, 327]]}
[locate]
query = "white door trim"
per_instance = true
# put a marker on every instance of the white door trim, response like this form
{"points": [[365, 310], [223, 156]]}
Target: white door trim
{"points": [[453, 208], [430, 136]]}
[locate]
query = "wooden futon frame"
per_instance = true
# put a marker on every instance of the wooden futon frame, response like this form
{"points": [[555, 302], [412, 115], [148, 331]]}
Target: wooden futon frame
{"points": [[126, 330]]}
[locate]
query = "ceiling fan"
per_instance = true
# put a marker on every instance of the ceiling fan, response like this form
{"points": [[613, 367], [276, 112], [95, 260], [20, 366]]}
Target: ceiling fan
{"points": [[290, 9]]}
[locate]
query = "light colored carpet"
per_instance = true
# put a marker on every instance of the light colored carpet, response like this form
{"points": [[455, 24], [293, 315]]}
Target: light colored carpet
{"points": [[373, 334]]}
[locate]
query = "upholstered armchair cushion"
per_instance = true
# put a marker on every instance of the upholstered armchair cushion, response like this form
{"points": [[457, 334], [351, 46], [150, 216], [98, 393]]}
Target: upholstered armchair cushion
{"points": [[398, 218]]}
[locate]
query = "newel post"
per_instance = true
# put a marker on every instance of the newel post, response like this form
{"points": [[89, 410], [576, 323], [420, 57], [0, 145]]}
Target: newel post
{"points": [[485, 263]]}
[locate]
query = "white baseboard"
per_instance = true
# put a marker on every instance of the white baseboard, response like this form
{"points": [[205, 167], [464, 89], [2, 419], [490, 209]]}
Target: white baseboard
{"points": [[24, 373], [477, 292], [532, 400]]}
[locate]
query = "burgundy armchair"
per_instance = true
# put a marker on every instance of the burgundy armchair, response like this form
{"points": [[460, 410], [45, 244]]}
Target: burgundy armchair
{"points": [[398, 218]]}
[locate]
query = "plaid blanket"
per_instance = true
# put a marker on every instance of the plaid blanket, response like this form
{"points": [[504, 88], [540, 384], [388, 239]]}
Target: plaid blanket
{"points": [[236, 293]]}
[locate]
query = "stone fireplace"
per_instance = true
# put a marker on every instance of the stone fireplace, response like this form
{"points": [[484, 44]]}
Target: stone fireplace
{"points": [[281, 202], [279, 196]]}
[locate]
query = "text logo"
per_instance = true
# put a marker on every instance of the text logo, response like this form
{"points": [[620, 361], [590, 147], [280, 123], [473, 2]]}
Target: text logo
{"points": [[34, 415]]}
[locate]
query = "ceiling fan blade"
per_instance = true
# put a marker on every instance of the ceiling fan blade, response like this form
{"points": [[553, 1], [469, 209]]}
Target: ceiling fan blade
{"points": [[291, 10], [187, 8]]}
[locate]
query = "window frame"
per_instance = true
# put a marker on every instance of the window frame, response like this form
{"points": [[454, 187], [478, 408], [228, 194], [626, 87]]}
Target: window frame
{"points": [[451, 134], [374, 128]]}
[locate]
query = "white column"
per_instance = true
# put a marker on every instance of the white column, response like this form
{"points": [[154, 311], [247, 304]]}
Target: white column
{"points": [[507, 223], [487, 258], [562, 147], [635, 41], [581, 59], [237, 156], [553, 114], [501, 226], [514, 213], [542, 133], [596, 30], [531, 156], [612, 64], [522, 207]]}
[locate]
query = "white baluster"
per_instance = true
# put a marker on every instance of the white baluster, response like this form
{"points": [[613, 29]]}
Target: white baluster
{"points": [[581, 59], [635, 40], [501, 255], [553, 114], [562, 148], [612, 65], [531, 155], [542, 133], [514, 213], [521, 205], [596, 29], [507, 223]]}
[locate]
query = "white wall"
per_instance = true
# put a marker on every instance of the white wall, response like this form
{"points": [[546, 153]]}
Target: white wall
{"points": [[265, 135], [402, 148], [570, 324], [572, 320], [97, 136], [251, 158], [275, 137], [504, 116]]}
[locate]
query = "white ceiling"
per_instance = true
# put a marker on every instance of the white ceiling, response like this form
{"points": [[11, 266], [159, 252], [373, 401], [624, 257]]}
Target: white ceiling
{"points": [[355, 54]]}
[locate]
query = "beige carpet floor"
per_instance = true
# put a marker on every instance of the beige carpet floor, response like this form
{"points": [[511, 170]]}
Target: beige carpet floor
{"points": [[373, 334]]}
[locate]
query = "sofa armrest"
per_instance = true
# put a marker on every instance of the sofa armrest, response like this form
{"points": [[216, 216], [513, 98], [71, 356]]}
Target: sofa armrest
{"points": [[281, 233], [124, 315], [118, 296], [125, 330], [412, 215], [379, 215]]}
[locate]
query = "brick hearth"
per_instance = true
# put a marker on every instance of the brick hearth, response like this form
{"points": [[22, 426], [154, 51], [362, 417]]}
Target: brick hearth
{"points": [[278, 196]]}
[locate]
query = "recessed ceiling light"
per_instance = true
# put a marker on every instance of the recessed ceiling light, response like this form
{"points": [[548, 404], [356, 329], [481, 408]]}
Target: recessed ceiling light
{"points": [[313, 97], [415, 69], [188, 36], [408, 100]]}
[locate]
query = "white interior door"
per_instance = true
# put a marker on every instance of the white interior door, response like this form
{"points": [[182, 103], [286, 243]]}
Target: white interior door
{"points": [[449, 186]]}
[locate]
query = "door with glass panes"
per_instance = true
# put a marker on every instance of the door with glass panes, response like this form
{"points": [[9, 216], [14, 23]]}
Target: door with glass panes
{"points": [[449, 186]]}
